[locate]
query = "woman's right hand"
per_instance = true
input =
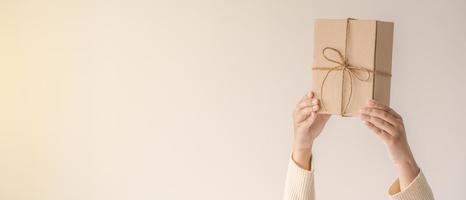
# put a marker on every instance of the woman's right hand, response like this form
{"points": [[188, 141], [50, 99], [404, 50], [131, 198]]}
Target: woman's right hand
{"points": [[389, 127], [308, 124]]}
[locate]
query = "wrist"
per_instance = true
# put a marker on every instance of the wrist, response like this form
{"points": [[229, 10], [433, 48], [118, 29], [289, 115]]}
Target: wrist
{"points": [[302, 152], [401, 155], [408, 170], [302, 144], [409, 165], [302, 158]]}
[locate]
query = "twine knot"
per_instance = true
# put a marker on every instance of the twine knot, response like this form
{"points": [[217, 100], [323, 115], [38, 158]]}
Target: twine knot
{"points": [[347, 68]]}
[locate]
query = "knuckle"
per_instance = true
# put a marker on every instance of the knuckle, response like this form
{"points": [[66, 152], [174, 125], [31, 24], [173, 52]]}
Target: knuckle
{"points": [[391, 141], [380, 131], [396, 138], [369, 118], [377, 111], [385, 114], [384, 123], [400, 123], [381, 113], [401, 129]]}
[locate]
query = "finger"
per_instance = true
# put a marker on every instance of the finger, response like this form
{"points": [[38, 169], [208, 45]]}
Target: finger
{"points": [[307, 103], [374, 103], [310, 120], [305, 112], [379, 132], [308, 95], [304, 98], [380, 113], [378, 122]]}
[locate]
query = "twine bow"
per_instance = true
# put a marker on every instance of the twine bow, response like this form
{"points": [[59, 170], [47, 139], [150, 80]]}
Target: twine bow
{"points": [[343, 65]]}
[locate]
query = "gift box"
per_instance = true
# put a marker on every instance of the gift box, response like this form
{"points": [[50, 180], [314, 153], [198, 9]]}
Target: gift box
{"points": [[352, 64]]}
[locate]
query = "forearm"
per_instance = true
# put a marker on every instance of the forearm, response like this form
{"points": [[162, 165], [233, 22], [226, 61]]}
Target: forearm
{"points": [[404, 162], [407, 172], [299, 183], [416, 188], [308, 124], [411, 183]]}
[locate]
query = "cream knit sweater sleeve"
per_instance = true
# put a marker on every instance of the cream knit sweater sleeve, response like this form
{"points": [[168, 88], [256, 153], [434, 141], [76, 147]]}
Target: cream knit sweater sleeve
{"points": [[299, 185]]}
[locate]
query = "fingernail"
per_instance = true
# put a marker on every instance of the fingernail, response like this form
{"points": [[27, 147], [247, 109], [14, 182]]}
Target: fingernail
{"points": [[310, 94]]}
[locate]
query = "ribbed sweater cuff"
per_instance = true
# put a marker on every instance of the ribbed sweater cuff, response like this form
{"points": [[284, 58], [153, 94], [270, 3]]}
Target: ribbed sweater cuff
{"points": [[299, 182], [418, 189]]}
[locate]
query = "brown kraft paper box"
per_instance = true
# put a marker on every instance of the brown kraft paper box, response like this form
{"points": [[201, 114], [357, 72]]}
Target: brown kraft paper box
{"points": [[366, 45]]}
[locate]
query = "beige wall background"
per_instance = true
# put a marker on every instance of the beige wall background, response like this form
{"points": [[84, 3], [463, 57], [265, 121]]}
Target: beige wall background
{"points": [[193, 99]]}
